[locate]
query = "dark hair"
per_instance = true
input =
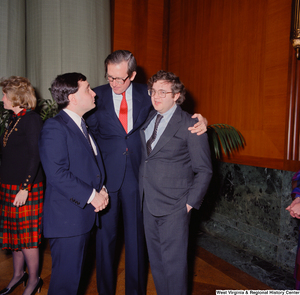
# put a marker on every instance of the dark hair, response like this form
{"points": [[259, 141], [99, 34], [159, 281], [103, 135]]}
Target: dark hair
{"points": [[119, 56], [176, 87], [63, 86]]}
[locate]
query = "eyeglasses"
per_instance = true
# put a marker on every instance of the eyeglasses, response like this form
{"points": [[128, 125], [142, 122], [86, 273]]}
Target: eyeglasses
{"points": [[118, 80], [161, 93]]}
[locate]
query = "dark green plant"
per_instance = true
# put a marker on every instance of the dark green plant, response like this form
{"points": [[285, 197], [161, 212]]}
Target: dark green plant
{"points": [[225, 137], [47, 108], [4, 115]]}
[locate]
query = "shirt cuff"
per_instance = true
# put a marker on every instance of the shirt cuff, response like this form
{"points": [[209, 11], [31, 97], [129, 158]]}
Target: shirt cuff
{"points": [[91, 198]]}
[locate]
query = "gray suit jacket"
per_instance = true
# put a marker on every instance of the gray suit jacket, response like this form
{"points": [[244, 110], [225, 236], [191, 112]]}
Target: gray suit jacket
{"points": [[178, 170]]}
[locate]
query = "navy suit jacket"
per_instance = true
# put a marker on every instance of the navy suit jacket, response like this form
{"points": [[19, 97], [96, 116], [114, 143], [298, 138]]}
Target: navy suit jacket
{"points": [[115, 144], [72, 172], [178, 170]]}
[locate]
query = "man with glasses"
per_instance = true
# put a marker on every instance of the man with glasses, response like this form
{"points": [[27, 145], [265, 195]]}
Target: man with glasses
{"points": [[174, 175], [122, 108]]}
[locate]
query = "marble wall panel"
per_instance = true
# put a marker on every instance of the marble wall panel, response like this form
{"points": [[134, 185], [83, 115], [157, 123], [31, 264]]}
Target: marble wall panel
{"points": [[245, 206]]}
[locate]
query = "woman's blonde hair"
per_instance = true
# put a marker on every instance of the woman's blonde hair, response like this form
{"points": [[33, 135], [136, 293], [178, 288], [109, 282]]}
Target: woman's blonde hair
{"points": [[19, 91]]}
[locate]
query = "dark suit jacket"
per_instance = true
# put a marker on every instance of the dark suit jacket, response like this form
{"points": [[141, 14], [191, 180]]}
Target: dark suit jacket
{"points": [[115, 144], [71, 173], [178, 170], [20, 161]]}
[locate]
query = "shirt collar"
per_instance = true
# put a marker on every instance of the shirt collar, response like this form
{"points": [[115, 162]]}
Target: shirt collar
{"points": [[75, 117], [21, 114], [169, 113], [128, 93]]}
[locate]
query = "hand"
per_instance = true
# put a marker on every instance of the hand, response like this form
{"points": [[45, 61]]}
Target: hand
{"points": [[295, 211], [294, 208], [21, 198], [188, 207], [201, 126], [295, 201], [100, 200]]}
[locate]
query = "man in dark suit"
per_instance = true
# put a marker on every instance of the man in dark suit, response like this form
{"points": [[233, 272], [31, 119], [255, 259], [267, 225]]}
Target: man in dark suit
{"points": [[174, 175], [122, 108], [75, 177]]}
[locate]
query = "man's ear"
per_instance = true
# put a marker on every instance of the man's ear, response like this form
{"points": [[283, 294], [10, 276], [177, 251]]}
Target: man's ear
{"points": [[72, 99], [176, 96], [132, 76]]}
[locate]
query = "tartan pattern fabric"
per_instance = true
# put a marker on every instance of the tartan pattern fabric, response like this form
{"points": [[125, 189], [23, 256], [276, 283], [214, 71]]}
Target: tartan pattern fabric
{"points": [[20, 227]]}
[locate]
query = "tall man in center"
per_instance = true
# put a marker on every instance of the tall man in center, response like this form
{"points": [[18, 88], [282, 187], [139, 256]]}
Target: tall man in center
{"points": [[122, 108]]}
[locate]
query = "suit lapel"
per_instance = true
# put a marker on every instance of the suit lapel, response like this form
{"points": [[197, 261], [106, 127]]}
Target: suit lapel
{"points": [[137, 103], [172, 127], [110, 114], [77, 133], [98, 157], [145, 125], [108, 105]]}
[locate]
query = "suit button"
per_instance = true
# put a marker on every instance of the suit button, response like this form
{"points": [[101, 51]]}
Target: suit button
{"points": [[98, 176], [146, 161]]}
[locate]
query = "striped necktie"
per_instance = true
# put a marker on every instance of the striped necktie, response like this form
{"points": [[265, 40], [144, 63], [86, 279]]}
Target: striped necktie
{"points": [[153, 136]]}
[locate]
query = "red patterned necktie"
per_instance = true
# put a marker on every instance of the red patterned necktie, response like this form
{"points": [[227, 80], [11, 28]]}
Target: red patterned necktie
{"points": [[124, 113]]}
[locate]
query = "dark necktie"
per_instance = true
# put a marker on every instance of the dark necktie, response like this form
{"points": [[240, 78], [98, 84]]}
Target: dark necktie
{"points": [[153, 136], [86, 134]]}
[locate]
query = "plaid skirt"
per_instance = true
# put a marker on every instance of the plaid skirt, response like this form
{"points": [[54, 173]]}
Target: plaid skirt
{"points": [[20, 227]]}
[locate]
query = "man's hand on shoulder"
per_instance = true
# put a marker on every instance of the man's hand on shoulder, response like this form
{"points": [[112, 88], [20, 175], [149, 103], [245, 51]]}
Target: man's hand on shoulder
{"points": [[201, 126], [100, 200]]}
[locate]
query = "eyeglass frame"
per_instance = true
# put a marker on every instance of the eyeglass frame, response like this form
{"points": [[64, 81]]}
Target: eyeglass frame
{"points": [[158, 92], [118, 80]]}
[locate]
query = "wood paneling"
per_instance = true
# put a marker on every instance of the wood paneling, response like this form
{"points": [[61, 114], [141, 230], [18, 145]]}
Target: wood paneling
{"points": [[234, 57], [293, 108], [139, 27]]}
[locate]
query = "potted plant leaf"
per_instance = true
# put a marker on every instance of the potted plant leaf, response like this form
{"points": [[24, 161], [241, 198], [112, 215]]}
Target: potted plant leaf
{"points": [[225, 137]]}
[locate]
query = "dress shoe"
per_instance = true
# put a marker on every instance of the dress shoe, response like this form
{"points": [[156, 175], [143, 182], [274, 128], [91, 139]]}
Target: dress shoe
{"points": [[20, 281], [38, 287]]}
